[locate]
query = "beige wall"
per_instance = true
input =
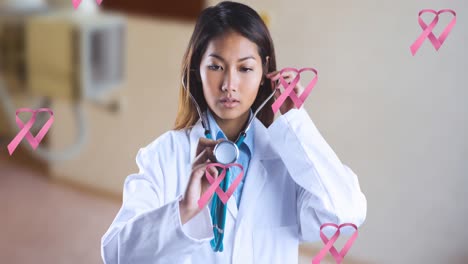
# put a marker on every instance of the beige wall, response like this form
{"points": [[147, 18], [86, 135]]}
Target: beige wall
{"points": [[149, 104], [399, 121]]}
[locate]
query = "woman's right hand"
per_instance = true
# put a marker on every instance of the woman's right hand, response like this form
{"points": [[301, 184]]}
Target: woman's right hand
{"points": [[198, 184]]}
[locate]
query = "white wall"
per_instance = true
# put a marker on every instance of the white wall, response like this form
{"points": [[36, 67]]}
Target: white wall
{"points": [[400, 122]]}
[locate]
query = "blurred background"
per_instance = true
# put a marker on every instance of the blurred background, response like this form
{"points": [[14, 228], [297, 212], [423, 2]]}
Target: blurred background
{"points": [[111, 75]]}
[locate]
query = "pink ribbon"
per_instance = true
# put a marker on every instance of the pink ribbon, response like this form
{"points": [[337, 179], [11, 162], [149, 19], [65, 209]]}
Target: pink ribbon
{"points": [[24, 132], [289, 91], [76, 3], [338, 256], [427, 30], [224, 196]]}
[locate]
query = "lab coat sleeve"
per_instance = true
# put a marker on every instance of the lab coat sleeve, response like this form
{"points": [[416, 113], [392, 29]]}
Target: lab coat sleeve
{"points": [[327, 190], [145, 229]]}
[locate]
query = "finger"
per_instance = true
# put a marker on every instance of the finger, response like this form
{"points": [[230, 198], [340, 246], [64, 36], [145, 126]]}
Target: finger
{"points": [[213, 171], [204, 143], [268, 75], [275, 77], [274, 85], [277, 94], [200, 170], [278, 82], [284, 75], [298, 88], [204, 156], [289, 76]]}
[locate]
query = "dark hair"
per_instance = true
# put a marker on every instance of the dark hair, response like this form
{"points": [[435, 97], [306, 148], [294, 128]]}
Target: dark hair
{"points": [[213, 22]]}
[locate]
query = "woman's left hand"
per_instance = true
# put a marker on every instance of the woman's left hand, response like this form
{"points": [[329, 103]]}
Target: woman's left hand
{"points": [[288, 76]]}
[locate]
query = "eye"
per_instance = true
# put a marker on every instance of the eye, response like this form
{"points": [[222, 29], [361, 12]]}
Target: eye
{"points": [[245, 69], [214, 67]]}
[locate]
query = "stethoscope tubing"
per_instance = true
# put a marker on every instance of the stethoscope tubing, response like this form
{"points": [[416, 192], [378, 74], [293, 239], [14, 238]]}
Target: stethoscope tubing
{"points": [[218, 227]]}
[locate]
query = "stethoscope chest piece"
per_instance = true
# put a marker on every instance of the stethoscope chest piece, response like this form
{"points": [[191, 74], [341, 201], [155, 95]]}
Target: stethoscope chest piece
{"points": [[226, 152]]}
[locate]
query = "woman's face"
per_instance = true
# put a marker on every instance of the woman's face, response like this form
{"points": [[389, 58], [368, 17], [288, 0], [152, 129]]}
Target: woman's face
{"points": [[231, 72]]}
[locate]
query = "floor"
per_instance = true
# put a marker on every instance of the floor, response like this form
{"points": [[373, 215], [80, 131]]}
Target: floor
{"points": [[43, 221], [47, 222]]}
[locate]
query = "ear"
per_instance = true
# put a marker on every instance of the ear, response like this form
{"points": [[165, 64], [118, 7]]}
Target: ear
{"points": [[267, 65]]}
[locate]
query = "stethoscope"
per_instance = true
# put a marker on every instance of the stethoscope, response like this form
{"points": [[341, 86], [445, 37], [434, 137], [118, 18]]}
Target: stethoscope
{"points": [[225, 152]]}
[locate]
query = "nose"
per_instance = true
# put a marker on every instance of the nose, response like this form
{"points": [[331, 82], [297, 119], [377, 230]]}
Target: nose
{"points": [[230, 82]]}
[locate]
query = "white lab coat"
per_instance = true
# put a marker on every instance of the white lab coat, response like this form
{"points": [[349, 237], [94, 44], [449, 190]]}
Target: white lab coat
{"points": [[295, 183]]}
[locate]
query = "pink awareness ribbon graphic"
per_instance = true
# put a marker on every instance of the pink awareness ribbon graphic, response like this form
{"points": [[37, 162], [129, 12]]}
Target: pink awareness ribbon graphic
{"points": [[24, 129], [214, 187], [338, 256], [289, 88], [76, 3], [427, 30]]}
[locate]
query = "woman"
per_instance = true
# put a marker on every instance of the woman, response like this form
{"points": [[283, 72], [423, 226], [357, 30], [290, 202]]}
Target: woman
{"points": [[293, 180]]}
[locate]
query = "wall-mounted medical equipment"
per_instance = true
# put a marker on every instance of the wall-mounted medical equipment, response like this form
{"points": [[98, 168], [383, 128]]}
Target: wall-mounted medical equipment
{"points": [[59, 54]]}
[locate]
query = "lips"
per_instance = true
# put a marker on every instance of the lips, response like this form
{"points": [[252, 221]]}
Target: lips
{"points": [[228, 100]]}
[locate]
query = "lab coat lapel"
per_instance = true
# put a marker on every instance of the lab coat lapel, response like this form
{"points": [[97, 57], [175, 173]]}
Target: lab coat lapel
{"points": [[257, 172], [195, 134]]}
